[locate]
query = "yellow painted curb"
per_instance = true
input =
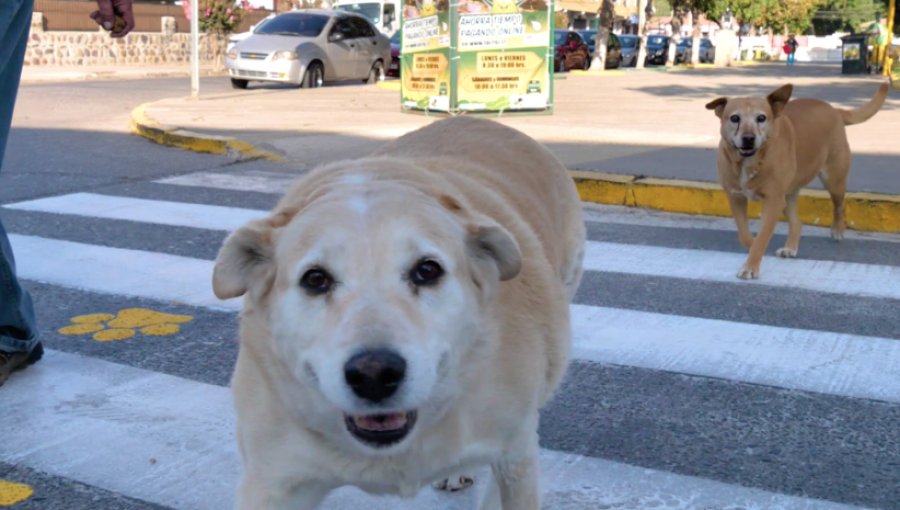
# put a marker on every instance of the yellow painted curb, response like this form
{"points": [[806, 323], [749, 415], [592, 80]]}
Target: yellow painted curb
{"points": [[144, 126], [389, 84], [871, 212]]}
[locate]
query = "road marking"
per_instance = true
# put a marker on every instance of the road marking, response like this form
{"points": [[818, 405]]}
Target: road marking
{"points": [[171, 441], [119, 271], [13, 492], [263, 182], [817, 361], [106, 327], [817, 275], [161, 212], [799, 359]]}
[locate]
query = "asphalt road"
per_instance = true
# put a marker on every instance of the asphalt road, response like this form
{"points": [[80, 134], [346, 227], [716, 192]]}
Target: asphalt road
{"points": [[688, 388]]}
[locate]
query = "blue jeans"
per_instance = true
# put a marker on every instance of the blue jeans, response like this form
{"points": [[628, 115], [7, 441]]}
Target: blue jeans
{"points": [[790, 59], [17, 326]]}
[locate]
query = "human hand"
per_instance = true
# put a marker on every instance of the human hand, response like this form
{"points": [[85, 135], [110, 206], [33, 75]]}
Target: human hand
{"points": [[114, 15]]}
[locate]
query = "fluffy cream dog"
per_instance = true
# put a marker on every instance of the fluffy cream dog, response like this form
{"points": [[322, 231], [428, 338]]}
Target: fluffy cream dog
{"points": [[406, 316]]}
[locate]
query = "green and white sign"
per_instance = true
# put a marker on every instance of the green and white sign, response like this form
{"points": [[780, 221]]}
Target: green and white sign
{"points": [[478, 56]]}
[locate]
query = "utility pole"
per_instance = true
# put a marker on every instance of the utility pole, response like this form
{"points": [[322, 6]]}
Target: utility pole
{"points": [[195, 49]]}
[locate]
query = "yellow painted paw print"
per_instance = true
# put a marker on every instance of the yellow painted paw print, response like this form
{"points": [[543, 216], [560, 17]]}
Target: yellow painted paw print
{"points": [[125, 324], [12, 492]]}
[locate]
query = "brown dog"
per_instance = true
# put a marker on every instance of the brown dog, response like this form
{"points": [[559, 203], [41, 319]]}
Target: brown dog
{"points": [[770, 148]]}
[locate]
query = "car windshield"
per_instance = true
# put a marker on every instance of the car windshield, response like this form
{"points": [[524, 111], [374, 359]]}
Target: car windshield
{"points": [[307, 25], [628, 42], [371, 10], [656, 40]]}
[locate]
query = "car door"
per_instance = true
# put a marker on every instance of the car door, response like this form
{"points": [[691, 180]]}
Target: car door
{"points": [[342, 50], [368, 47], [613, 51]]}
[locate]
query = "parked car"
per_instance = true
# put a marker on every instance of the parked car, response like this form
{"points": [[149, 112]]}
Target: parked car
{"points": [[309, 48], [571, 51], [629, 50], [396, 47], [685, 46], [657, 49], [613, 48], [236, 38]]}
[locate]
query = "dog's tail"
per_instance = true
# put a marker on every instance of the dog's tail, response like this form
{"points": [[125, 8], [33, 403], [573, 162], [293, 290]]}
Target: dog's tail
{"points": [[866, 111]]}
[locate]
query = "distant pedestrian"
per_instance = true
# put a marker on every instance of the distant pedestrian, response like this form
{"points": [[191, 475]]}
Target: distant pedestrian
{"points": [[790, 49], [19, 345]]}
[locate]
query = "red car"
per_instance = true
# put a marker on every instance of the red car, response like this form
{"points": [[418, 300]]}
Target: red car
{"points": [[394, 68], [571, 51]]}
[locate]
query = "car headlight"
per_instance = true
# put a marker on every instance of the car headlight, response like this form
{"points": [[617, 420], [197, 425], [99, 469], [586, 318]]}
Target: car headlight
{"points": [[232, 54], [285, 55]]}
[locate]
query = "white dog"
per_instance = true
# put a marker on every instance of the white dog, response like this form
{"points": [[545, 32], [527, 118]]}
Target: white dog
{"points": [[406, 316]]}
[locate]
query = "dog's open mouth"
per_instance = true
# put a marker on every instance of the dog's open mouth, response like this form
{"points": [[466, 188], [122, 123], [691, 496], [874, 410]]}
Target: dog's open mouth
{"points": [[747, 152], [381, 430]]}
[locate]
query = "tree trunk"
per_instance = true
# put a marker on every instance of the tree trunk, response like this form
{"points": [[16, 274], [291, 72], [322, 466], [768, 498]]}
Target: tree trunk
{"points": [[677, 22], [598, 62], [695, 35], [644, 10]]}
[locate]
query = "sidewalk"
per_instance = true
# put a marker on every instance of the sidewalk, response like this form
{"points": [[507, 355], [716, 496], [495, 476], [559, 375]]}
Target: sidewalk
{"points": [[633, 138], [44, 74]]}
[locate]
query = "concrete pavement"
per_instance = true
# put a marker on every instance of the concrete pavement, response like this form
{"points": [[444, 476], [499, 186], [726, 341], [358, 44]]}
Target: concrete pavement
{"points": [[53, 74], [639, 138]]}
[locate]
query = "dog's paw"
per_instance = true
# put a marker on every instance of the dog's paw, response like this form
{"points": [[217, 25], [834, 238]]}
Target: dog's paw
{"points": [[837, 235], [786, 253], [745, 241], [747, 273], [454, 483]]}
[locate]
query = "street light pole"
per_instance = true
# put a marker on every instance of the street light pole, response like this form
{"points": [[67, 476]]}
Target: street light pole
{"points": [[195, 48]]}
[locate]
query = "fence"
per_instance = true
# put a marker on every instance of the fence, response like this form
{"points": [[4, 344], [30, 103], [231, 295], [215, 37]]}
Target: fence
{"points": [[72, 15]]}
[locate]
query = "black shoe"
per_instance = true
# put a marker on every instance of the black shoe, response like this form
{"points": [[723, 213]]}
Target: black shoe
{"points": [[12, 361]]}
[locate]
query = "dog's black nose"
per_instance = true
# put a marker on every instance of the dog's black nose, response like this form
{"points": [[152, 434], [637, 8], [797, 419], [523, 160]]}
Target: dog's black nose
{"points": [[375, 375], [748, 142]]}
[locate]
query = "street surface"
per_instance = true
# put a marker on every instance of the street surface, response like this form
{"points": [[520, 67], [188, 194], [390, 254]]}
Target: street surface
{"points": [[688, 388]]}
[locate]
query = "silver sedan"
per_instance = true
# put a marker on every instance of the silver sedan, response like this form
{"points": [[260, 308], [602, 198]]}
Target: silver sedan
{"points": [[308, 48]]}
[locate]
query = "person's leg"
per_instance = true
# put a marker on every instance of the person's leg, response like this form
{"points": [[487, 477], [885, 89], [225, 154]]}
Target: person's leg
{"points": [[18, 339]]}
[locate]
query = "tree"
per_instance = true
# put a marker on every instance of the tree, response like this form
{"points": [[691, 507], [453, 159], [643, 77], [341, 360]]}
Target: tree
{"points": [[219, 18], [845, 15], [598, 62]]}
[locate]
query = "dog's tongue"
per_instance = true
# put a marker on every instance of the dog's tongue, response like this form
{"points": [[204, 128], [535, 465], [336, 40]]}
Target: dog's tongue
{"points": [[381, 422]]}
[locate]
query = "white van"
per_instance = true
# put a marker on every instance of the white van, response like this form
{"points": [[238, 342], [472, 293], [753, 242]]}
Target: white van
{"points": [[384, 14]]}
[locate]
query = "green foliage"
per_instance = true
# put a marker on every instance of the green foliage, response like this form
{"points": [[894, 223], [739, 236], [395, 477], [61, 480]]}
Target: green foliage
{"points": [[221, 17], [846, 15]]}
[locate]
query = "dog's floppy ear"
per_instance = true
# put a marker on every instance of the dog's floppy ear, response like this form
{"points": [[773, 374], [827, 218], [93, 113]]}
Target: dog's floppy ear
{"points": [[718, 105], [245, 261], [779, 98], [492, 242]]}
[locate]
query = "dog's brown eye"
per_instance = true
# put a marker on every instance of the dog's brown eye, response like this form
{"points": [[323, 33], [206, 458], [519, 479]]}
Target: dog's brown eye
{"points": [[735, 118], [316, 281], [426, 272], [760, 118]]}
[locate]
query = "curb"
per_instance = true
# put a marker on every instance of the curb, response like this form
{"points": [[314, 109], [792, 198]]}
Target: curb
{"points": [[871, 212], [145, 127], [63, 77]]}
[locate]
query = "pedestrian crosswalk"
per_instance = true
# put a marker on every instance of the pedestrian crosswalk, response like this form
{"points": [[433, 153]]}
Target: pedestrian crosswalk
{"points": [[688, 388]]}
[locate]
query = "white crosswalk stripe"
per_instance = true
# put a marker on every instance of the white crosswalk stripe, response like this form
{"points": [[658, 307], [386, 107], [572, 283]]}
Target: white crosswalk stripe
{"points": [[170, 440]]}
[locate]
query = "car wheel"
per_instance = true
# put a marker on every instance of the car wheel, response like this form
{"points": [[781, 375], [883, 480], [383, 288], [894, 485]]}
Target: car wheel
{"points": [[376, 74], [314, 77], [239, 84]]}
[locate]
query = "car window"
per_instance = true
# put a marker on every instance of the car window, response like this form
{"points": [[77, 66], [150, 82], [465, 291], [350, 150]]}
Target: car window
{"points": [[346, 27], [628, 42], [613, 41], [656, 39], [371, 10], [363, 28], [307, 25]]}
